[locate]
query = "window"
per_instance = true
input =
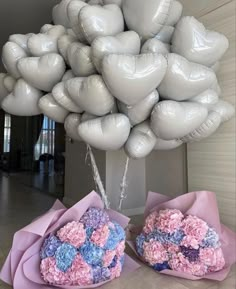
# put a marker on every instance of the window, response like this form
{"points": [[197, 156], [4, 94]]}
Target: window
{"points": [[7, 133], [46, 141]]}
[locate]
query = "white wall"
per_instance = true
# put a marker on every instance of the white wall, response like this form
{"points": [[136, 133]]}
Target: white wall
{"points": [[23, 16]]}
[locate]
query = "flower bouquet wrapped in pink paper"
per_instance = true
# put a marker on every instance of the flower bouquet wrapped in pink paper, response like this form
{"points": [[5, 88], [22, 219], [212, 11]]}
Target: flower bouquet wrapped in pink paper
{"points": [[80, 247], [183, 237]]}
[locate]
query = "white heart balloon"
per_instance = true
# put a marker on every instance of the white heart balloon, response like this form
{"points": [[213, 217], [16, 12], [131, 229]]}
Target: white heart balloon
{"points": [[140, 111], [68, 75], [141, 141], [46, 27], [132, 78], [9, 82], [11, 54], [184, 80], [172, 120], [80, 59], [95, 2], [146, 17], [175, 13], [206, 129], [207, 98], [154, 45], [117, 2], [61, 95], [23, 101], [123, 43], [59, 14], [63, 43], [91, 94], [73, 10], [71, 125], [107, 133], [101, 21], [21, 40], [194, 42], [3, 90], [71, 33], [42, 44], [42, 72], [166, 145], [225, 109], [87, 116], [166, 34], [52, 109]]}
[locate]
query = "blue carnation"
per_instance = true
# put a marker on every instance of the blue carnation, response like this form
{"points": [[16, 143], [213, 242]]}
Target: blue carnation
{"points": [[120, 231], [100, 274], [161, 267], [50, 246], [177, 237], [113, 240], [139, 244], [211, 239], [91, 253], [89, 232], [65, 256]]}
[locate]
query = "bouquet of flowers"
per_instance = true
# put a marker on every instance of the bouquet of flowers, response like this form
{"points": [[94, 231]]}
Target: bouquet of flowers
{"points": [[183, 237], [80, 247]]}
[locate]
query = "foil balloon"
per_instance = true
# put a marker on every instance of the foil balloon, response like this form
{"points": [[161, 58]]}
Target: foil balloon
{"points": [[23, 101], [52, 109], [107, 133], [71, 125], [172, 120], [166, 145], [42, 72], [131, 78], [21, 40], [85, 92], [197, 44], [141, 141]]}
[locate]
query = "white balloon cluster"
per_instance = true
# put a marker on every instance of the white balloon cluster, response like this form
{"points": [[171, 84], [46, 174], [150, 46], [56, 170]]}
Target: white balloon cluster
{"points": [[119, 73]]}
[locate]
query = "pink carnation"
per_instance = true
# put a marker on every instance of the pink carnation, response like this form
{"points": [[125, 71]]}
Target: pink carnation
{"points": [[213, 258], [172, 249], [100, 236], [80, 272], [150, 223], [195, 228], [108, 257], [51, 274], [189, 241], [73, 233], [169, 221], [116, 271], [181, 264], [154, 252], [120, 249]]}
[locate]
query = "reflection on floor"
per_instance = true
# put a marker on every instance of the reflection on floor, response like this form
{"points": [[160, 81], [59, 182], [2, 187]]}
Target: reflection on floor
{"points": [[19, 204]]}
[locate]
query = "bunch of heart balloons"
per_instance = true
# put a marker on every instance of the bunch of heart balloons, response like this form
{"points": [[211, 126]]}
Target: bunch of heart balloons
{"points": [[129, 74]]}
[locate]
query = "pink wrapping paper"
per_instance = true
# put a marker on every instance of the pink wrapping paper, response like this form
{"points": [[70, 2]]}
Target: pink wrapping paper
{"points": [[21, 269], [202, 204]]}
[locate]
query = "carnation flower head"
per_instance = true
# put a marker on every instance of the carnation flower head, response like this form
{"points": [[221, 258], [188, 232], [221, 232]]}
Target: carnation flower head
{"points": [[169, 221], [95, 218], [195, 228], [154, 252]]}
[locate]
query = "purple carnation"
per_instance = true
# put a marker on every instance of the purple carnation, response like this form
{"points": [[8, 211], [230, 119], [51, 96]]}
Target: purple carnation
{"points": [[100, 274], [191, 254], [50, 246], [95, 218]]}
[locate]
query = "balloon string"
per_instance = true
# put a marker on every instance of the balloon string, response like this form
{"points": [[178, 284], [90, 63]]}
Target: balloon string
{"points": [[124, 185], [97, 178]]}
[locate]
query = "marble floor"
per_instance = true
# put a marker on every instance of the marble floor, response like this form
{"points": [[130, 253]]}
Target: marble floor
{"points": [[19, 204]]}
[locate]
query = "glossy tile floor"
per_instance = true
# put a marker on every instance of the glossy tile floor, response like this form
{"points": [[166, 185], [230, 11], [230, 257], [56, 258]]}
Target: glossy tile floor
{"points": [[19, 204]]}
